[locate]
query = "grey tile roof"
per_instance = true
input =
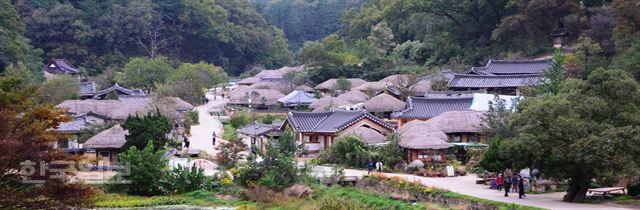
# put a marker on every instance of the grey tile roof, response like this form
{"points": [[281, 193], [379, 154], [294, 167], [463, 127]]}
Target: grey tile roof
{"points": [[443, 75], [74, 126], [60, 66], [297, 98], [425, 108], [452, 94], [87, 88], [494, 81], [256, 129], [121, 90], [514, 67], [329, 122]]}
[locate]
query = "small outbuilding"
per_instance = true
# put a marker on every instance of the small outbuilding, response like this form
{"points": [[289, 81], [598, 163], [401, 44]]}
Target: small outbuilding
{"points": [[354, 97], [328, 102], [297, 98], [423, 141], [383, 103], [104, 146], [460, 126], [367, 135]]}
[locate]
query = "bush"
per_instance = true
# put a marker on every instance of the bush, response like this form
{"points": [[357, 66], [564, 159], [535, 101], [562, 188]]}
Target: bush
{"points": [[633, 189], [229, 152], [261, 194], [339, 204], [229, 132], [240, 119], [194, 116], [390, 154], [182, 180], [268, 119], [349, 151], [146, 170]]}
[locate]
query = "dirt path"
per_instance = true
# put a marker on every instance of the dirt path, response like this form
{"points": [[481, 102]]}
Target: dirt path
{"points": [[201, 134]]}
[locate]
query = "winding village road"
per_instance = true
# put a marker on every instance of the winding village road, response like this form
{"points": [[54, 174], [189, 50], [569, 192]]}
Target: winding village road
{"points": [[201, 139]]}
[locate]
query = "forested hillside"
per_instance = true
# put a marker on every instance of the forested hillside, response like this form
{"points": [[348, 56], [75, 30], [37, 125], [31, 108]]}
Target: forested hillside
{"points": [[97, 34], [306, 20], [389, 36]]}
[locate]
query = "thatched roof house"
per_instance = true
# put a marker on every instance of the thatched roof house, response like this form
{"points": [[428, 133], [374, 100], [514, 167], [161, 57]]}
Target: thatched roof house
{"points": [[265, 97], [304, 88], [112, 138], [371, 86], [391, 79], [420, 88], [354, 96], [383, 103], [248, 81], [123, 107], [367, 135], [458, 122], [328, 101], [420, 135], [279, 86], [333, 83]]}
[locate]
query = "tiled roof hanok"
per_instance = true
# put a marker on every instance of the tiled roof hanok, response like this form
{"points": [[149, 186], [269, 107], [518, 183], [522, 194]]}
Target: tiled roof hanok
{"points": [[87, 88], [452, 94], [257, 129], [60, 66], [425, 108], [502, 67], [494, 81], [331, 121], [116, 87]]}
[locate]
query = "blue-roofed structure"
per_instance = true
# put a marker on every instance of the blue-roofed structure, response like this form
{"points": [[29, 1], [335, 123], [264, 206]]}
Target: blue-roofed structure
{"points": [[297, 98]]}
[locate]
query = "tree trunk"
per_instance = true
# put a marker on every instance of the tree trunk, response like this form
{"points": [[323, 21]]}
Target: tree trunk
{"points": [[577, 191]]}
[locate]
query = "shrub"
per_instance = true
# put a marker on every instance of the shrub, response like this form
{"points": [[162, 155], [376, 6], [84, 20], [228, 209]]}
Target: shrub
{"points": [[260, 194], [229, 152], [391, 153], [299, 191], [194, 116], [146, 170], [119, 201], [268, 119], [229, 132], [339, 204], [349, 151], [182, 180], [240, 119], [633, 189], [153, 126]]}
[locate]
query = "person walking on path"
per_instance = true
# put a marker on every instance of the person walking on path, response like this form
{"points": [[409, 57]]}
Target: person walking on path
{"points": [[507, 186], [514, 183], [500, 182], [379, 166], [186, 142], [214, 138], [370, 167], [521, 188]]}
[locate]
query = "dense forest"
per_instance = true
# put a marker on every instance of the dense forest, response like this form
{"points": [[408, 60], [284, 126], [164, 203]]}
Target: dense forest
{"points": [[354, 38], [97, 34], [305, 20]]}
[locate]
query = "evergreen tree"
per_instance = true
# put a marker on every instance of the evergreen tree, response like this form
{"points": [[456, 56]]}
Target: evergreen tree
{"points": [[153, 126], [147, 169]]}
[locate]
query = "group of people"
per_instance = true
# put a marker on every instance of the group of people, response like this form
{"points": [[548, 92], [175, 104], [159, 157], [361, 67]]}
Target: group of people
{"points": [[377, 165], [513, 183]]}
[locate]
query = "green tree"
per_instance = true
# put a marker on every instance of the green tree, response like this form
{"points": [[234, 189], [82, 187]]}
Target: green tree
{"points": [[145, 73], [497, 122], [343, 84], [589, 130], [382, 37], [15, 48], [493, 159], [230, 152], [182, 180], [279, 162], [554, 75], [147, 170], [190, 81], [152, 126], [58, 89], [349, 151]]}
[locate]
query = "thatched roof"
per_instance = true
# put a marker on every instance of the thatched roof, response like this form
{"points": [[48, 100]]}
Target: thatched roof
{"points": [[376, 86], [249, 81], [279, 86], [420, 88], [383, 103], [332, 83], [367, 135], [395, 78], [304, 88], [123, 107], [354, 96], [328, 101], [458, 121], [257, 96], [112, 138], [418, 134]]}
